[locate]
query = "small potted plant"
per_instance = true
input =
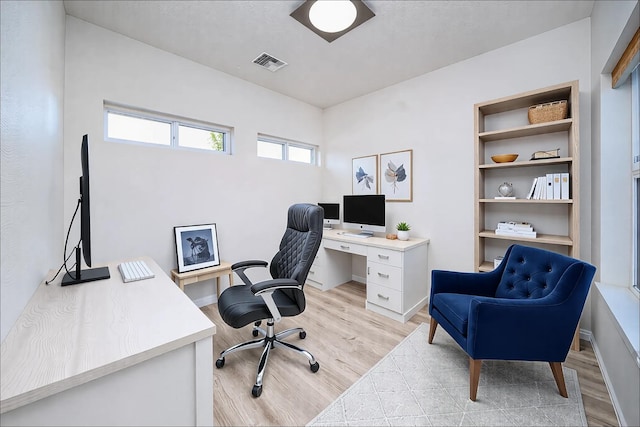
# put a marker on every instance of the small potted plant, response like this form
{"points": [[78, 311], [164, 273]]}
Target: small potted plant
{"points": [[403, 231]]}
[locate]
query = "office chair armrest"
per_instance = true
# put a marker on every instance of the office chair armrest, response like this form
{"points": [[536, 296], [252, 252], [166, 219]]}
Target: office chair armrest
{"points": [[268, 287], [248, 264], [240, 267], [273, 284]]}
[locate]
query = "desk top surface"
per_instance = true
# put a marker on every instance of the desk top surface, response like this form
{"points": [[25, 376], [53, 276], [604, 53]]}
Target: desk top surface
{"points": [[378, 242], [67, 336]]}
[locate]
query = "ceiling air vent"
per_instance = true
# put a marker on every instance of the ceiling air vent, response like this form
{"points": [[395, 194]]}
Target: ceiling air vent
{"points": [[269, 62]]}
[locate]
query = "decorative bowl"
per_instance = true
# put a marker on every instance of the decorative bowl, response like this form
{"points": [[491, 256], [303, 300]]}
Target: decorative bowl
{"points": [[504, 158]]}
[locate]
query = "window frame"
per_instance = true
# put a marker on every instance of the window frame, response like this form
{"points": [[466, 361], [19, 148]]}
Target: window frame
{"points": [[286, 144], [174, 123], [635, 177]]}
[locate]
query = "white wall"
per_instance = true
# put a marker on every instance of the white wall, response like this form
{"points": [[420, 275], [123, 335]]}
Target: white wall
{"points": [[433, 115], [139, 193], [32, 70], [613, 24]]}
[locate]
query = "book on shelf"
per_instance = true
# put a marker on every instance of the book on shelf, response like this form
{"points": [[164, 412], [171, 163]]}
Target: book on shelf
{"points": [[516, 233], [533, 188], [564, 186], [552, 186], [549, 192], [514, 225], [515, 228], [549, 154]]}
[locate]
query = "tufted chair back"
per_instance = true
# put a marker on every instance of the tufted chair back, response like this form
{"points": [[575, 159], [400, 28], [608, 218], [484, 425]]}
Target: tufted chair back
{"points": [[531, 273], [298, 246]]}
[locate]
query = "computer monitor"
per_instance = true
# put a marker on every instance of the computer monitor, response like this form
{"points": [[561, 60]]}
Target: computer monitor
{"points": [[84, 245], [331, 213], [364, 212]]}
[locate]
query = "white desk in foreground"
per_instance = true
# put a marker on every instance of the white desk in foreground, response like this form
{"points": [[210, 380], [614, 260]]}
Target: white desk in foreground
{"points": [[396, 273], [109, 353]]}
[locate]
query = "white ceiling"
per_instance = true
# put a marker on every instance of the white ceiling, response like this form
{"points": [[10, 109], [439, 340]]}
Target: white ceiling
{"points": [[405, 39]]}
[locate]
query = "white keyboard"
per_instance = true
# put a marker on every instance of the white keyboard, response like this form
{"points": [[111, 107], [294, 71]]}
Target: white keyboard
{"points": [[135, 270], [358, 235]]}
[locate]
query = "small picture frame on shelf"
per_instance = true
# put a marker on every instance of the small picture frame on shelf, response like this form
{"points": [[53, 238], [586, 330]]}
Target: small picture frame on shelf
{"points": [[196, 247]]}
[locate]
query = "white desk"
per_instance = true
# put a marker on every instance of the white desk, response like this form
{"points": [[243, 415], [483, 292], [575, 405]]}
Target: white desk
{"points": [[109, 353], [396, 271]]}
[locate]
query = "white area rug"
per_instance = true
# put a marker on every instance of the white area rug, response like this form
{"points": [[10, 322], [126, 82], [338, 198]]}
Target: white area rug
{"points": [[422, 384]]}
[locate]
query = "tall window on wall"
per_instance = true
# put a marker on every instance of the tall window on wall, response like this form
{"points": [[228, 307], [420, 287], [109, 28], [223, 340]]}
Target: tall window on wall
{"points": [[126, 124], [635, 172], [282, 149]]}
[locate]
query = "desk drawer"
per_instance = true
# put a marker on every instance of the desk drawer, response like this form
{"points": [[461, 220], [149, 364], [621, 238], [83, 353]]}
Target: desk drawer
{"points": [[384, 297], [385, 275], [320, 258], [385, 256], [352, 248], [317, 273]]}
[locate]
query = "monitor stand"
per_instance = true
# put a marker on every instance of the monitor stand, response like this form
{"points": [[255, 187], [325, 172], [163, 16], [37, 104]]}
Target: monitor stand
{"points": [[86, 275]]}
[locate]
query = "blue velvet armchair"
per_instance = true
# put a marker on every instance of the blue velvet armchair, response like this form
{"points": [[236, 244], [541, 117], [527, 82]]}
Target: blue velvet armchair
{"points": [[526, 309]]}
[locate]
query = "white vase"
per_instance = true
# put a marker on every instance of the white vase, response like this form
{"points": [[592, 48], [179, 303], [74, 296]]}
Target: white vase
{"points": [[403, 235]]}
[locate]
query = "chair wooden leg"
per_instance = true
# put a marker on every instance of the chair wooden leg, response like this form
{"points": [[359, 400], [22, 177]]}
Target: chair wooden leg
{"points": [[474, 377], [433, 324], [558, 375]]}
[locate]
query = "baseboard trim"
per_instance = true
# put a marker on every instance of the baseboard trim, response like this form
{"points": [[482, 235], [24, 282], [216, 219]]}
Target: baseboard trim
{"points": [[605, 376]]}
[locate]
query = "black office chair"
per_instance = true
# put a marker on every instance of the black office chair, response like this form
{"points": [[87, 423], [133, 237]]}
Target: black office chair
{"points": [[270, 300]]}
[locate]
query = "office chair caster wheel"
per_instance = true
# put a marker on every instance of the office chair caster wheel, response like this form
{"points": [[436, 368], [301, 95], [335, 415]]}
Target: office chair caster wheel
{"points": [[257, 390], [255, 332], [315, 367], [303, 335], [220, 363]]}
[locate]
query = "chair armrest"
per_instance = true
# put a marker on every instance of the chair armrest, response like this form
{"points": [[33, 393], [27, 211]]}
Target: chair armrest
{"points": [[453, 282], [273, 284], [248, 264], [520, 329], [482, 284], [266, 289], [240, 267]]}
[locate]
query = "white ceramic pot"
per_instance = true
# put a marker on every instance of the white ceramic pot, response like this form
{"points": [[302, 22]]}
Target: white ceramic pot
{"points": [[403, 235]]}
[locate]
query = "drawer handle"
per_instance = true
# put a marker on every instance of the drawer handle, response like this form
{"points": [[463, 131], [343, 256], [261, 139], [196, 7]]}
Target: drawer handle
{"points": [[385, 276], [312, 272], [383, 297], [383, 256], [344, 247]]}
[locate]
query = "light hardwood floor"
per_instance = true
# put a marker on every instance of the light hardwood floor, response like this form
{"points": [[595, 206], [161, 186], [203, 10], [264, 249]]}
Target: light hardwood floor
{"points": [[347, 341]]}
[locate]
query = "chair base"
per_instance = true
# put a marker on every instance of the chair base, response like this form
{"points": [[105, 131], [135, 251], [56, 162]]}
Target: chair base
{"points": [[475, 366], [269, 341]]}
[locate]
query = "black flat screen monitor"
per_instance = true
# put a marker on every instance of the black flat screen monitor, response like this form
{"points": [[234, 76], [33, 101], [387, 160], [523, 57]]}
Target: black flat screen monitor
{"points": [[365, 213], [331, 213], [84, 245]]}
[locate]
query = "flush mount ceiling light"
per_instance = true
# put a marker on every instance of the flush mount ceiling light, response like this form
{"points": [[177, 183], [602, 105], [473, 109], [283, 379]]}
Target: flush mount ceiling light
{"points": [[331, 19]]}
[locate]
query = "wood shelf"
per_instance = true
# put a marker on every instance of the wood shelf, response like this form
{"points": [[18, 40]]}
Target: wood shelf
{"points": [[527, 163], [489, 210], [486, 266], [530, 130], [551, 239]]}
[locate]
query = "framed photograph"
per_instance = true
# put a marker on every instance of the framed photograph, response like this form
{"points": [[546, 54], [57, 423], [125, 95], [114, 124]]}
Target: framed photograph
{"points": [[364, 175], [196, 247], [397, 176]]}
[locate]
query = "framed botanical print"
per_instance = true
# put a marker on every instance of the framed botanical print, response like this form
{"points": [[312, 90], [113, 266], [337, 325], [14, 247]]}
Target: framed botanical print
{"points": [[397, 176], [364, 175]]}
